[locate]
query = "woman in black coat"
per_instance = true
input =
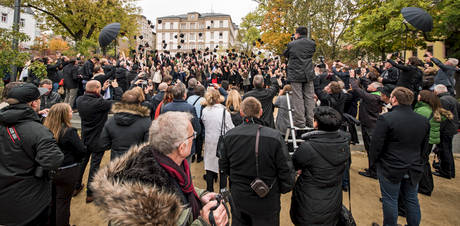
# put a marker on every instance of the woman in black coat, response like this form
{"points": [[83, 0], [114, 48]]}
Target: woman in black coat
{"points": [[317, 195], [58, 121]]}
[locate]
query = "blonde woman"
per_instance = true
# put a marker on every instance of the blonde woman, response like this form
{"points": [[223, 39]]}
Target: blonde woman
{"points": [[58, 121], [213, 116], [233, 106]]}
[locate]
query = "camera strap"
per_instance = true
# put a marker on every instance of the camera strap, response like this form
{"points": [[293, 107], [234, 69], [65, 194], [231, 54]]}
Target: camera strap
{"points": [[257, 155]]}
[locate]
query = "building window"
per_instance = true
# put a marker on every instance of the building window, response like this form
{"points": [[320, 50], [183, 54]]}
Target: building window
{"points": [[171, 36], [22, 22], [171, 25], [221, 23], [212, 35], [192, 36], [192, 25], [4, 17], [221, 35], [202, 26], [183, 26]]}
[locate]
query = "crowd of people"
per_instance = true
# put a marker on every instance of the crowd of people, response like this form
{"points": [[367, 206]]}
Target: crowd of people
{"points": [[172, 110]]}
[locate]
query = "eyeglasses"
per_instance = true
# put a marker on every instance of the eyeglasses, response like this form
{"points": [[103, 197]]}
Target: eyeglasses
{"points": [[193, 135]]}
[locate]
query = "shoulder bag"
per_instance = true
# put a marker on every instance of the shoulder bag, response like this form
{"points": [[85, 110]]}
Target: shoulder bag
{"points": [[220, 142]]}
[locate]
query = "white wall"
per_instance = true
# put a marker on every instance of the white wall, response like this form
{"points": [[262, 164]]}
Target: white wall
{"points": [[30, 24]]}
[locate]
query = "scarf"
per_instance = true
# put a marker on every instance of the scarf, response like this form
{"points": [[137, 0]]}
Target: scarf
{"points": [[183, 177]]}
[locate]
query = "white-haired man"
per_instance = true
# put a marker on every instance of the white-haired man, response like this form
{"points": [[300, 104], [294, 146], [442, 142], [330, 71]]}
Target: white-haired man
{"points": [[445, 75], [152, 184], [447, 131]]}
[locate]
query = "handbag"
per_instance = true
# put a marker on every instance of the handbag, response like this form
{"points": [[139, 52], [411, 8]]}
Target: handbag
{"points": [[258, 185], [220, 142]]}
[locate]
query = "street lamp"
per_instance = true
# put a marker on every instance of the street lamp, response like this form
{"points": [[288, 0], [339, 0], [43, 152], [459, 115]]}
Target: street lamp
{"points": [[17, 12]]}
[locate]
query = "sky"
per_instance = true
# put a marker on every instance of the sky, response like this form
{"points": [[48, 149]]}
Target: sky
{"points": [[237, 9]]}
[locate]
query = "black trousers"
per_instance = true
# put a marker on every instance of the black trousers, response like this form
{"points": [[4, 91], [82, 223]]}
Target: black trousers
{"points": [[242, 218], [367, 138], [426, 184], [96, 158], [211, 176], [446, 156], [65, 181]]}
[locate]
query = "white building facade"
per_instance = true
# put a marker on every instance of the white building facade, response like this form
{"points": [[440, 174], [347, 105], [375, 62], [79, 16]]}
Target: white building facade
{"points": [[27, 24], [195, 31]]}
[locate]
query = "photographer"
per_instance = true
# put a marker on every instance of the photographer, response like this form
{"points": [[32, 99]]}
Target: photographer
{"points": [[156, 180], [28, 152], [273, 168], [300, 75], [322, 158]]}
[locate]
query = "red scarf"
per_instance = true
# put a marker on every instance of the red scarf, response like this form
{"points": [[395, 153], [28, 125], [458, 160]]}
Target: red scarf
{"points": [[183, 177]]}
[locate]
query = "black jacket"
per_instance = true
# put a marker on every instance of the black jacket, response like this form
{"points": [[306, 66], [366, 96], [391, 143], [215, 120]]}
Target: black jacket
{"points": [[389, 76], [155, 102], [336, 101], [448, 102], [52, 72], [47, 101], [121, 77], [410, 77], [23, 196], [93, 112], [265, 96], [344, 76], [88, 70], [275, 166], [370, 106], [129, 126], [299, 53], [317, 195], [71, 78], [398, 142], [72, 146]]}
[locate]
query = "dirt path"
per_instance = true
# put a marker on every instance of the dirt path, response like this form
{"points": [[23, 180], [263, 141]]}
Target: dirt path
{"points": [[442, 208]]}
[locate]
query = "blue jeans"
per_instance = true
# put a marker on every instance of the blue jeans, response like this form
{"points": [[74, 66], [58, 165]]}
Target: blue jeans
{"points": [[390, 193]]}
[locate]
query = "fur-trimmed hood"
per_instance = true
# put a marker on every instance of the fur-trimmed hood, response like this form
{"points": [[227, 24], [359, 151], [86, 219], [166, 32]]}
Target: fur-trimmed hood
{"points": [[135, 190], [127, 114]]}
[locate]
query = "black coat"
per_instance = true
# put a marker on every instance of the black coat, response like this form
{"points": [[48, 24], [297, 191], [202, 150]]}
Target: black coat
{"points": [[448, 102], [389, 76], [93, 112], [121, 77], [265, 96], [72, 146], [23, 196], [52, 72], [370, 106], [71, 78], [299, 53], [398, 142], [410, 77], [155, 102], [129, 126], [336, 101], [88, 70], [275, 166], [48, 100], [317, 195]]}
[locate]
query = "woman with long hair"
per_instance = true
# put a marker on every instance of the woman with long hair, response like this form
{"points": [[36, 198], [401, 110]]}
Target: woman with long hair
{"points": [[429, 106], [168, 98], [233, 106], [58, 121], [213, 116]]}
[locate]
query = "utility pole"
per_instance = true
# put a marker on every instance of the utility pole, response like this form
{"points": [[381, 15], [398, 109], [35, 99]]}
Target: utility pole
{"points": [[17, 16]]}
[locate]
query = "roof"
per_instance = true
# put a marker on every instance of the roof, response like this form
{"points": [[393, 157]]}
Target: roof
{"points": [[201, 15]]}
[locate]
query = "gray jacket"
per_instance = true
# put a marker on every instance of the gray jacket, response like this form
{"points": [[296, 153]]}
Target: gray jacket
{"points": [[299, 53]]}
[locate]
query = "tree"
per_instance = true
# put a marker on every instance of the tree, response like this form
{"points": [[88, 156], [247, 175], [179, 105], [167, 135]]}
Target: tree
{"points": [[8, 56], [58, 45], [83, 19], [328, 19], [379, 28], [249, 31]]}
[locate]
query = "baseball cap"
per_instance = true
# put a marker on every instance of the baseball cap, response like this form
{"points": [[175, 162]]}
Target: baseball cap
{"points": [[26, 93]]}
